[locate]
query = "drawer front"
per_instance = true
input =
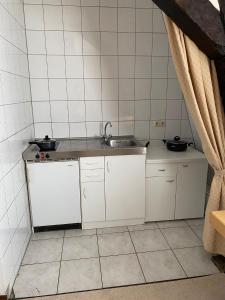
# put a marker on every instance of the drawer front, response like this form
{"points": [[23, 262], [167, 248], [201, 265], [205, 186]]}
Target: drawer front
{"points": [[161, 170], [88, 163], [92, 175]]}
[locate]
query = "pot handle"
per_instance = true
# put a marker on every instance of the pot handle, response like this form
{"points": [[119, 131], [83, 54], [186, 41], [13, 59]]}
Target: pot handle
{"points": [[189, 144], [164, 141]]}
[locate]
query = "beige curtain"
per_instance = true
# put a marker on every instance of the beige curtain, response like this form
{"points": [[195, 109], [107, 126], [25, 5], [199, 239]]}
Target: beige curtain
{"points": [[198, 80]]}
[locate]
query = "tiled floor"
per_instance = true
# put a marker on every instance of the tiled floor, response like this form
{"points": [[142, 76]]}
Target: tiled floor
{"points": [[76, 260]]}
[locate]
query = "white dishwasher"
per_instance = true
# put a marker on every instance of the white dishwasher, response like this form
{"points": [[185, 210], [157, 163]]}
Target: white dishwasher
{"points": [[54, 192]]}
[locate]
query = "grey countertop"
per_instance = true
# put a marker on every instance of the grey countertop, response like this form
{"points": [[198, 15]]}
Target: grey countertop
{"points": [[75, 148]]}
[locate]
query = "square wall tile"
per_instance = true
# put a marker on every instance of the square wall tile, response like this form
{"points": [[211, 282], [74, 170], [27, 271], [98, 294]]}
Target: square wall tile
{"points": [[186, 131], [92, 67], [159, 89], [73, 43], [126, 66], [144, 20], [110, 110], [41, 111], [36, 42], [109, 66], [126, 110], [34, 17], [53, 17], [158, 21], [159, 67], [126, 3], [77, 130], [126, 89], [143, 43], [74, 67], [75, 89], [56, 66], [108, 43], [126, 128], [109, 89], [54, 42], [142, 130], [126, 44], [126, 20], [142, 89], [174, 90], [92, 89], [41, 129], [93, 111], [57, 88], [39, 89], [156, 133], [173, 110], [59, 111], [173, 128], [142, 110], [158, 109], [144, 4], [72, 18], [160, 44], [108, 19], [91, 43], [60, 130], [94, 129], [90, 18], [37, 66], [76, 111], [171, 69], [143, 67]]}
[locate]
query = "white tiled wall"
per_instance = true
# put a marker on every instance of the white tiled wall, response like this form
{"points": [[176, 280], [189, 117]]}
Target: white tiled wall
{"points": [[102, 60], [15, 129]]}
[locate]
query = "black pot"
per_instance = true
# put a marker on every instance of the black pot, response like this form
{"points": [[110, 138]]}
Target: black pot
{"points": [[177, 144], [45, 144]]}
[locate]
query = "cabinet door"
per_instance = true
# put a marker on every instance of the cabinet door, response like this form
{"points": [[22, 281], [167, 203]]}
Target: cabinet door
{"points": [[160, 198], [125, 187], [54, 193], [93, 201], [191, 189]]}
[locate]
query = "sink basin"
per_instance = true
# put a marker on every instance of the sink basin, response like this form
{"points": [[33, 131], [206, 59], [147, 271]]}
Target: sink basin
{"points": [[121, 143]]}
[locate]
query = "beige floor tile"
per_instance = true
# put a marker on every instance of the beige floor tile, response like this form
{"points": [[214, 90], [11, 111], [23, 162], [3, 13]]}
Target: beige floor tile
{"points": [[37, 280], [112, 230], [160, 265], [41, 251], [149, 240], [47, 235], [181, 237], [80, 247], [121, 270], [195, 261], [171, 224], [79, 232], [115, 243], [198, 230], [195, 222], [150, 225], [79, 275]]}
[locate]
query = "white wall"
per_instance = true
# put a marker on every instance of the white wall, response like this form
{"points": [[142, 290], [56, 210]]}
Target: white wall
{"points": [[15, 129], [94, 61]]}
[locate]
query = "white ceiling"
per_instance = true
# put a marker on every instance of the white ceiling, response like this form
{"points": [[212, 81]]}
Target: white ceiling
{"points": [[215, 3]]}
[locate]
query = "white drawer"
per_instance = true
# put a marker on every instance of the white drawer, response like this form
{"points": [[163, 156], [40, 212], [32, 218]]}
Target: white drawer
{"points": [[161, 170], [92, 175], [88, 163]]}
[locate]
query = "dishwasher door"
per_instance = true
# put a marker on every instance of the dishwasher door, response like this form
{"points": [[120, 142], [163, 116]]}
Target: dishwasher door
{"points": [[54, 189]]}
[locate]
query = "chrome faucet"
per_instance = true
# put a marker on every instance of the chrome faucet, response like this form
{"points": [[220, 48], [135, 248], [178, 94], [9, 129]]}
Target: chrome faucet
{"points": [[105, 135]]}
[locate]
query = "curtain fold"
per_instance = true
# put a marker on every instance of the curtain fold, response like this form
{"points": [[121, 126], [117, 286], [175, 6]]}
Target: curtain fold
{"points": [[199, 84]]}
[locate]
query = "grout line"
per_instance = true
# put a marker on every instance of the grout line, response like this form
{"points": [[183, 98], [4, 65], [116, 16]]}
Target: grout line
{"points": [[137, 257], [60, 264], [100, 266]]}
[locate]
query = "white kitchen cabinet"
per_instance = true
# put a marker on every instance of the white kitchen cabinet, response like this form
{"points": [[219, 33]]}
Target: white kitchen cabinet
{"points": [[54, 192], [93, 201], [191, 184], [160, 198], [125, 187], [175, 184]]}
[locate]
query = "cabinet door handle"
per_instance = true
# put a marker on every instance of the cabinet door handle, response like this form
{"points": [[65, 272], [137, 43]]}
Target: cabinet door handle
{"points": [[107, 166], [185, 166], [162, 170], [84, 193], [172, 180]]}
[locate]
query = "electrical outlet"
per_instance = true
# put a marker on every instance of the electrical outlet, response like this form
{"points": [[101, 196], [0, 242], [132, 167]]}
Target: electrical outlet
{"points": [[159, 123]]}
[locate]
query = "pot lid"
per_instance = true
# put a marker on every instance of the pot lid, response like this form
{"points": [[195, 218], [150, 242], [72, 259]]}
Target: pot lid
{"points": [[46, 139], [176, 141]]}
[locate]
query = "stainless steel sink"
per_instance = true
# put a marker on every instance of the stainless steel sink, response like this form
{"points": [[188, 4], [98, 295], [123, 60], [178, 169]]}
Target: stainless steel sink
{"points": [[118, 142]]}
